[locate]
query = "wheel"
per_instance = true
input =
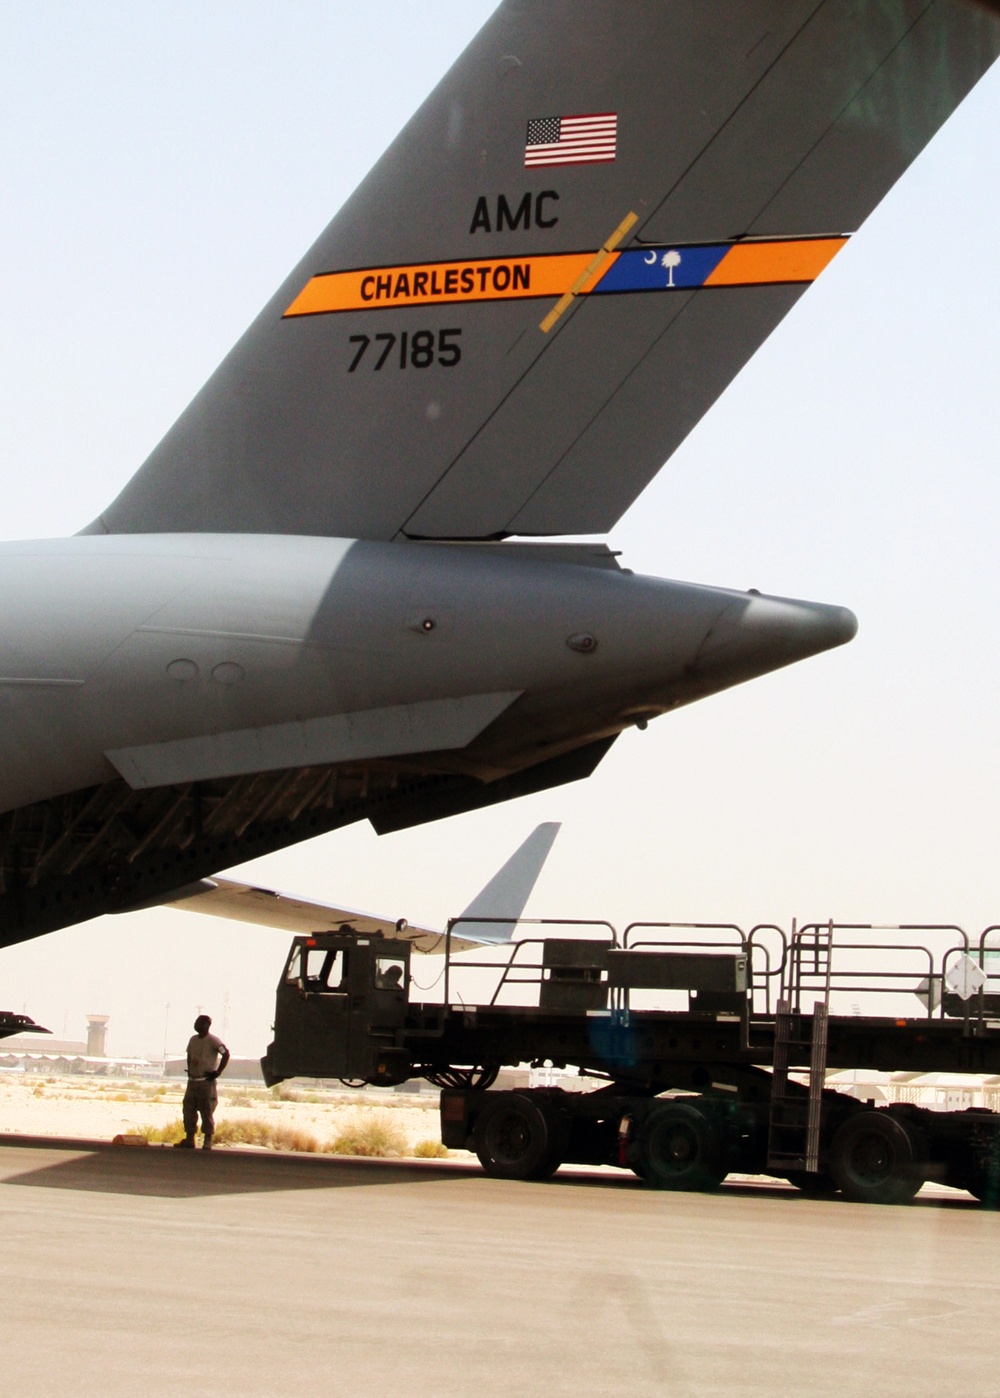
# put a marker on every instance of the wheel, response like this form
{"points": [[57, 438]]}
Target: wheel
{"points": [[876, 1159], [983, 1178], [816, 1183], [680, 1147], [516, 1139]]}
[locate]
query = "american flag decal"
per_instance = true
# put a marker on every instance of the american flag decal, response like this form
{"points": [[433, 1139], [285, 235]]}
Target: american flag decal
{"points": [[571, 140]]}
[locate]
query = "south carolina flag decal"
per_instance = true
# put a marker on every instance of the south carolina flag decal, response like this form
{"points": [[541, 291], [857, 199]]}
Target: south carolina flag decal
{"points": [[571, 140]]}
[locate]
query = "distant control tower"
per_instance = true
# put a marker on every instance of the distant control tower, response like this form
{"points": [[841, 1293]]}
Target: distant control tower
{"points": [[97, 1035]]}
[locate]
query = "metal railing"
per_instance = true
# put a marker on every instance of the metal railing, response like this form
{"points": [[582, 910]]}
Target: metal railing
{"points": [[905, 967], [513, 963], [873, 970]]}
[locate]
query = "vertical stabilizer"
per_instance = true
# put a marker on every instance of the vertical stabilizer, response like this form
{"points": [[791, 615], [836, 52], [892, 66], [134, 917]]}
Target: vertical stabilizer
{"points": [[571, 249]]}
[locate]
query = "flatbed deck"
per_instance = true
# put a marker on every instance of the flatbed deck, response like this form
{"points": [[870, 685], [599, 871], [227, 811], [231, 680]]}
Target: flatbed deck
{"points": [[654, 1045]]}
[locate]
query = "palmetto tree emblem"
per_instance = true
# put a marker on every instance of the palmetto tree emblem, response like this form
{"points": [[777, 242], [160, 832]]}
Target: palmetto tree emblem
{"points": [[670, 260]]}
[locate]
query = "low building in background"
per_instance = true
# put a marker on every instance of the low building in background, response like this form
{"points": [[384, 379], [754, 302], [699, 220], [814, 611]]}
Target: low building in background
{"points": [[41, 1053], [938, 1092], [237, 1069]]}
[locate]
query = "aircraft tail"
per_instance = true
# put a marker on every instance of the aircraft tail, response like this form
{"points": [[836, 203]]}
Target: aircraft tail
{"points": [[557, 267]]}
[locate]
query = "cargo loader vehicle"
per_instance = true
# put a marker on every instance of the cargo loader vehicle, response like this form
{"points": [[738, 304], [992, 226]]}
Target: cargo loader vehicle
{"points": [[710, 1047]]}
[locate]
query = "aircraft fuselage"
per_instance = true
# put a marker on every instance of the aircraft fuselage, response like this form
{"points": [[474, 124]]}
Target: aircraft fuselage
{"points": [[167, 659]]}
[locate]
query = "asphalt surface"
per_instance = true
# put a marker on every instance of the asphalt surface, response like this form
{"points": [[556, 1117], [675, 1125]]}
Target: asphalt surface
{"points": [[131, 1271]]}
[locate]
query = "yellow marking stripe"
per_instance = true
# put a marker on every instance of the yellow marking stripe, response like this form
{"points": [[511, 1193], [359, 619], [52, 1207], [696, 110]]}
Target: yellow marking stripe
{"points": [[589, 273]]}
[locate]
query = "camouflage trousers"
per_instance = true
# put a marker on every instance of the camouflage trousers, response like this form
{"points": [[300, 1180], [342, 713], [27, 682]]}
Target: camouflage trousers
{"points": [[200, 1099]]}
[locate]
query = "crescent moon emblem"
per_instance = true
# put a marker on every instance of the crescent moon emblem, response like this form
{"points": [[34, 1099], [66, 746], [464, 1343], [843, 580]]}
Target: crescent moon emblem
{"points": [[650, 261]]}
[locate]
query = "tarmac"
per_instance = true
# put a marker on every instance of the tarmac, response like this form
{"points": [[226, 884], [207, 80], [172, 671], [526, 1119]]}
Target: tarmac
{"points": [[129, 1270]]}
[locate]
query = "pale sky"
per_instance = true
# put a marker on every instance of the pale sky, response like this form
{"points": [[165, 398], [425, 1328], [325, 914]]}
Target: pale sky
{"points": [[161, 169]]}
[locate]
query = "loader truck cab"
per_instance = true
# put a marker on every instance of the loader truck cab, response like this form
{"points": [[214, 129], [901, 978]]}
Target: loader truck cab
{"points": [[341, 1003]]}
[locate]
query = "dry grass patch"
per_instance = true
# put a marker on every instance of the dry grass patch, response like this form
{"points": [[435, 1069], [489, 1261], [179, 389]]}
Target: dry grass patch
{"points": [[431, 1150], [240, 1097], [251, 1132], [370, 1133], [162, 1135], [255, 1132], [283, 1092]]}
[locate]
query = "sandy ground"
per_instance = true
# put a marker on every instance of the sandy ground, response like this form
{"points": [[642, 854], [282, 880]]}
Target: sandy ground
{"points": [[98, 1109]]}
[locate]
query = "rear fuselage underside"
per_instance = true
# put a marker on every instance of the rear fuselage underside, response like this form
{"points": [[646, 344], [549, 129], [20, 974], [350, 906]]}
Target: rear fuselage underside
{"points": [[175, 670]]}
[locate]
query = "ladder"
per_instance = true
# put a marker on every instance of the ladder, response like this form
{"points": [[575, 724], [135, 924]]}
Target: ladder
{"points": [[795, 1112]]}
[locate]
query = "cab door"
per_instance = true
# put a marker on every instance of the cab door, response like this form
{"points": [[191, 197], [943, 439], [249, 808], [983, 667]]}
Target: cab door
{"points": [[312, 1026], [379, 985]]}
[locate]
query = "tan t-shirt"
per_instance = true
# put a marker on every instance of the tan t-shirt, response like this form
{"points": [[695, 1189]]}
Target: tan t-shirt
{"points": [[203, 1054]]}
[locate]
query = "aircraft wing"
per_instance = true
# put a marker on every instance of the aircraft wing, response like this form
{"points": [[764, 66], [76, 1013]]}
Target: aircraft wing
{"points": [[568, 253], [11, 1023], [265, 907], [489, 920]]}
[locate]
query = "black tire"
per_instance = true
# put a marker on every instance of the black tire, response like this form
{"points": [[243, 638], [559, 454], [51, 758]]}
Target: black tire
{"points": [[516, 1139], [557, 1129], [876, 1159], [681, 1147], [817, 1184], [983, 1179]]}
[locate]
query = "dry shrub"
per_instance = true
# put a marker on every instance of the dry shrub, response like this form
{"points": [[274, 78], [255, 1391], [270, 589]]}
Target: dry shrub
{"points": [[431, 1150], [283, 1092], [239, 1097], [163, 1135], [370, 1133], [254, 1132]]}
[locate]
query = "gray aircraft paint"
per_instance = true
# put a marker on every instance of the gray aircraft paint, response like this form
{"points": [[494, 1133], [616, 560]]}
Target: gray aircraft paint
{"points": [[260, 653], [507, 893], [247, 650], [764, 118], [502, 901]]}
